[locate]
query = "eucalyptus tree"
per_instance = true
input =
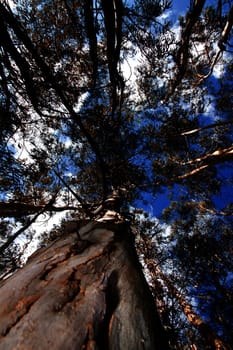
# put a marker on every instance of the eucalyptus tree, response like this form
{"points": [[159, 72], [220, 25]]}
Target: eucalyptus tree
{"points": [[78, 137], [62, 67]]}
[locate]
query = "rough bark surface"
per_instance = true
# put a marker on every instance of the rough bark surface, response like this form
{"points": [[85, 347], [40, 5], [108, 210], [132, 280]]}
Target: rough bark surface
{"points": [[84, 291]]}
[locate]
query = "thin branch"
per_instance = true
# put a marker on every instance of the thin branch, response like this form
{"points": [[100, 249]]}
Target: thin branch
{"points": [[218, 156], [19, 209], [210, 126], [195, 320], [84, 206], [7, 16], [182, 55], [217, 58], [221, 44], [212, 211], [26, 226]]}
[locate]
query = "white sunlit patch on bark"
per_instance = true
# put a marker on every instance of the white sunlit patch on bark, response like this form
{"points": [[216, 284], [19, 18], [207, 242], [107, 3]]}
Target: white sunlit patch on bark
{"points": [[10, 3]]}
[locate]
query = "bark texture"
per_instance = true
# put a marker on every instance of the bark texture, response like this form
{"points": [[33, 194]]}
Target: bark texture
{"points": [[84, 291]]}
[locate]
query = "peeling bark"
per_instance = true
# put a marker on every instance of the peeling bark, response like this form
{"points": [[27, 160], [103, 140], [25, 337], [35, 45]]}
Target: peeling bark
{"points": [[81, 294]]}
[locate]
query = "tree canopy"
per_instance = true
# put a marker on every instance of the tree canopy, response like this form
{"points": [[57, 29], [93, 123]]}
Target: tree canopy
{"points": [[111, 97]]}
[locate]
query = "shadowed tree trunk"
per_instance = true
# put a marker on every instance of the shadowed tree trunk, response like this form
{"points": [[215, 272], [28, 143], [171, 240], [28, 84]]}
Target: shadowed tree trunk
{"points": [[209, 336], [86, 290]]}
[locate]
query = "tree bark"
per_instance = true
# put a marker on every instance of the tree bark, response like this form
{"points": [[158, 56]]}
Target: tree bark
{"points": [[86, 290]]}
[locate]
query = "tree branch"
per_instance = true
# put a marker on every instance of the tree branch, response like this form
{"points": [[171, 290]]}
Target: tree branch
{"points": [[19, 209], [210, 126], [91, 34], [195, 320], [27, 225], [84, 206], [182, 55], [221, 44], [218, 156], [113, 14], [6, 16]]}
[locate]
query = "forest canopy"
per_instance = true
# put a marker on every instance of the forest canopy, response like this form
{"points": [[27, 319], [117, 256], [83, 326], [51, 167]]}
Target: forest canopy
{"points": [[114, 97]]}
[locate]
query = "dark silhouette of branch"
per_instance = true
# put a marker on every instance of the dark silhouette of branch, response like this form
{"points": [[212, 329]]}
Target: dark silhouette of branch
{"points": [[182, 55], [221, 45], [6, 16], [27, 225], [19, 209], [6, 42], [91, 34], [84, 206], [5, 87], [113, 14]]}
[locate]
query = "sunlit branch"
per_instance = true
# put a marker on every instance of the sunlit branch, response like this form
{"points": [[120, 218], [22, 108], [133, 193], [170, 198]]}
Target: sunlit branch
{"points": [[175, 179], [195, 320], [221, 44], [218, 156], [201, 206], [210, 126]]}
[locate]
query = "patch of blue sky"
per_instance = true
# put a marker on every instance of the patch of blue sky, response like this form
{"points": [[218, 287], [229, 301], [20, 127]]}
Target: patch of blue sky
{"points": [[63, 139], [152, 204], [228, 280], [179, 8], [11, 148], [225, 195]]}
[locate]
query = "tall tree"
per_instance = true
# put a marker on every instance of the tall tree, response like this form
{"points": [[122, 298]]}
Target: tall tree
{"points": [[77, 137]]}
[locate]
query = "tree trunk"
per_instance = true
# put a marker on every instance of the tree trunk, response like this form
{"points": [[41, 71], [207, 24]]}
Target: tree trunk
{"points": [[208, 335], [86, 290]]}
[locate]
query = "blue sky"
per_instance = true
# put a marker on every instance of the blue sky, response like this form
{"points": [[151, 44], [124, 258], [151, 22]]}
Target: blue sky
{"points": [[180, 7]]}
